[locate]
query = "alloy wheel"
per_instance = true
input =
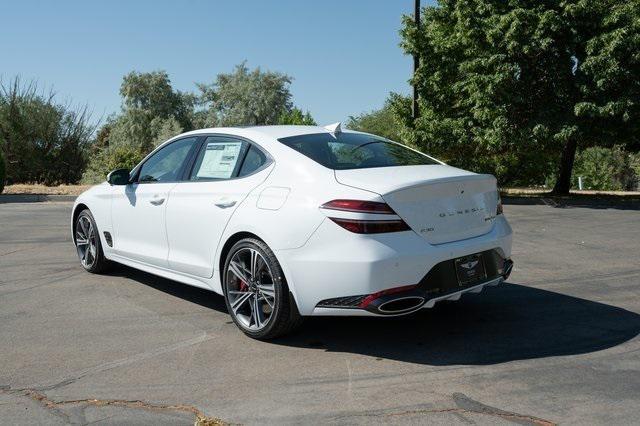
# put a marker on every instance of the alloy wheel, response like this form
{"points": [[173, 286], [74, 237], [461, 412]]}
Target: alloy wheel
{"points": [[86, 241], [250, 289]]}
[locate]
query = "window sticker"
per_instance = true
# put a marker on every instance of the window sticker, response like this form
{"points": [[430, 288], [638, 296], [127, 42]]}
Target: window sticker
{"points": [[219, 160]]}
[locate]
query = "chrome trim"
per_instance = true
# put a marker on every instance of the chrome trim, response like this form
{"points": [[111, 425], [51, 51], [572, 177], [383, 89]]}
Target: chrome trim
{"points": [[417, 306]]}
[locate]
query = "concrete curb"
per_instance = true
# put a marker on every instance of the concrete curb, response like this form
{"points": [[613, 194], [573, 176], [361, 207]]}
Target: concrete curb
{"points": [[34, 198]]}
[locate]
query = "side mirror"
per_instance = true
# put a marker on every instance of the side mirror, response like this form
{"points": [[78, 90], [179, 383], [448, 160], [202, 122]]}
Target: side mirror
{"points": [[118, 177]]}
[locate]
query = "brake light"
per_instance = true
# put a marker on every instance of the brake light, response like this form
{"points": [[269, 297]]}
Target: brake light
{"points": [[371, 226], [359, 206], [365, 226]]}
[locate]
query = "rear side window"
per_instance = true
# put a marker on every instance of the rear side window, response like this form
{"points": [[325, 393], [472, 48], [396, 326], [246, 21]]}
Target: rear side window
{"points": [[252, 161], [223, 157], [345, 151], [218, 158]]}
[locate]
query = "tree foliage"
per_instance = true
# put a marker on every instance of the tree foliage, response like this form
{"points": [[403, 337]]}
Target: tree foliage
{"points": [[244, 97], [152, 112], [105, 160], [42, 140], [515, 87], [607, 169], [153, 94], [296, 117], [382, 122], [2, 171]]}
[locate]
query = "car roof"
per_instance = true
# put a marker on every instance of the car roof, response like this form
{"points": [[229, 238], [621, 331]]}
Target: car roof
{"points": [[275, 132], [265, 136]]}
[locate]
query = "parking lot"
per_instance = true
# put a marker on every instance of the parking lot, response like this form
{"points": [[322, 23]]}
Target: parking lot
{"points": [[557, 344]]}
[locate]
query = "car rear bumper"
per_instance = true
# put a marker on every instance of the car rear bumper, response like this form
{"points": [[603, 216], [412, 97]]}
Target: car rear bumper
{"points": [[336, 264], [322, 311]]}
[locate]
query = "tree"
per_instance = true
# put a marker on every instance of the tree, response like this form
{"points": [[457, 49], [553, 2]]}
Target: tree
{"points": [[105, 160], [152, 92], [607, 169], [514, 88], [380, 122], [152, 112], [296, 117], [245, 97], [2, 171], [42, 141]]}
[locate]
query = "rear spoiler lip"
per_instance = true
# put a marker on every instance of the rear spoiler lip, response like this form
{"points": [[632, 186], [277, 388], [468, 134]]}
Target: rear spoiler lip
{"points": [[464, 178]]}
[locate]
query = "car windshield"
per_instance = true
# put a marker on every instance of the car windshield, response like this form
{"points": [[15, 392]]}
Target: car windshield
{"points": [[345, 151]]}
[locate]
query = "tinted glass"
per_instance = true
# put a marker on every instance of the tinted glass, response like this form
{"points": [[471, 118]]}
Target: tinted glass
{"points": [[166, 164], [354, 151], [218, 158], [252, 162]]}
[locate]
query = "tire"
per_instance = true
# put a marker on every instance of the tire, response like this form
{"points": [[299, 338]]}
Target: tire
{"points": [[261, 288], [90, 254]]}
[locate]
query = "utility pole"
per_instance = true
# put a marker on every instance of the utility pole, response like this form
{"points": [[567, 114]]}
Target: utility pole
{"points": [[415, 113]]}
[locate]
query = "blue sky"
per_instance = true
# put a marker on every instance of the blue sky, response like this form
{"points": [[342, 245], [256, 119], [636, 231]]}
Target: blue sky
{"points": [[343, 55]]}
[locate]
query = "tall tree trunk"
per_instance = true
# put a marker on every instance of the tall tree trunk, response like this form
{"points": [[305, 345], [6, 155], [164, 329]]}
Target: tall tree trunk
{"points": [[563, 183]]}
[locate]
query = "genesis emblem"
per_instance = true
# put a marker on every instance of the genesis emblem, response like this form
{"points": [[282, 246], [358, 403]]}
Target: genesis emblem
{"points": [[469, 265]]}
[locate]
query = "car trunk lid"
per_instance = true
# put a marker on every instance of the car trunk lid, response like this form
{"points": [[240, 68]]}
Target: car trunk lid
{"points": [[439, 202]]}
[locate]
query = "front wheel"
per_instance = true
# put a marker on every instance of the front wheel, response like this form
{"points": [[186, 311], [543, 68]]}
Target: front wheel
{"points": [[88, 243], [256, 292]]}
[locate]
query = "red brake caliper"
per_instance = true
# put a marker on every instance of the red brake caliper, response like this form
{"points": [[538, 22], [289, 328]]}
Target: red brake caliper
{"points": [[243, 285]]}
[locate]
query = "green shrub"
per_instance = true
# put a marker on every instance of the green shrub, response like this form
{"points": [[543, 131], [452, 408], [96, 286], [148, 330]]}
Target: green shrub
{"points": [[606, 169], [2, 172], [44, 141], [108, 159]]}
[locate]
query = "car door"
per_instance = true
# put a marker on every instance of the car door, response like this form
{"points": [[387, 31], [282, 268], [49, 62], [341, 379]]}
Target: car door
{"points": [[138, 209], [225, 171]]}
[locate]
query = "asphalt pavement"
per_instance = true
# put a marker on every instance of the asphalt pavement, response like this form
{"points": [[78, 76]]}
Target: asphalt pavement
{"points": [[557, 344]]}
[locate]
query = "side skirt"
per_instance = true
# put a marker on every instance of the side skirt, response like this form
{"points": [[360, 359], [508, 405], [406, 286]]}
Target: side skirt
{"points": [[164, 273]]}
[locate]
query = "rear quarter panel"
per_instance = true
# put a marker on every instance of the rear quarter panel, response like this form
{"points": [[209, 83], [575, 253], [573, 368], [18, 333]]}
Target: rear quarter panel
{"points": [[284, 210]]}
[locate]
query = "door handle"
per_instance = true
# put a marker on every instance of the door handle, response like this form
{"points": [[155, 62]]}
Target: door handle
{"points": [[157, 201], [223, 203]]}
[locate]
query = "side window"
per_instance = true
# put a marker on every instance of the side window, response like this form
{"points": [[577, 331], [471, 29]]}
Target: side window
{"points": [[218, 158], [252, 161], [166, 164]]}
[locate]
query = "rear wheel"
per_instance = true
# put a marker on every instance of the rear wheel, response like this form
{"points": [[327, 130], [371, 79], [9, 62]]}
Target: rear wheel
{"points": [[88, 244], [256, 292]]}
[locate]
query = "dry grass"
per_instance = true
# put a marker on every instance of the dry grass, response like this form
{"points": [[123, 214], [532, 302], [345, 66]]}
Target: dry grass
{"points": [[43, 189], [538, 191]]}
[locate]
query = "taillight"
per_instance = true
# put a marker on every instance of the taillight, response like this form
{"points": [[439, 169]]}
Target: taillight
{"points": [[359, 206], [365, 226], [371, 226]]}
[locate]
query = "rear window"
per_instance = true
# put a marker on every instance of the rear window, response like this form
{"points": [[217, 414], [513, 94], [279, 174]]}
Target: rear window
{"points": [[345, 151]]}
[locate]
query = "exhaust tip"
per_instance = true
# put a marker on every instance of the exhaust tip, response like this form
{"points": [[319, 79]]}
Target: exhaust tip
{"points": [[508, 266], [401, 305]]}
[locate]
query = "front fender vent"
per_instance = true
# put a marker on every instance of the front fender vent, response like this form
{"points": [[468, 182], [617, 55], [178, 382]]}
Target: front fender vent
{"points": [[107, 236]]}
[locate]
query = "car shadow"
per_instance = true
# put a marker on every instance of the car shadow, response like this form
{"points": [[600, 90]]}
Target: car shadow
{"points": [[199, 296], [505, 323]]}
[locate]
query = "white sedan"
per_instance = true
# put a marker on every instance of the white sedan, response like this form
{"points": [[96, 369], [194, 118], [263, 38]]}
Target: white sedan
{"points": [[293, 221]]}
